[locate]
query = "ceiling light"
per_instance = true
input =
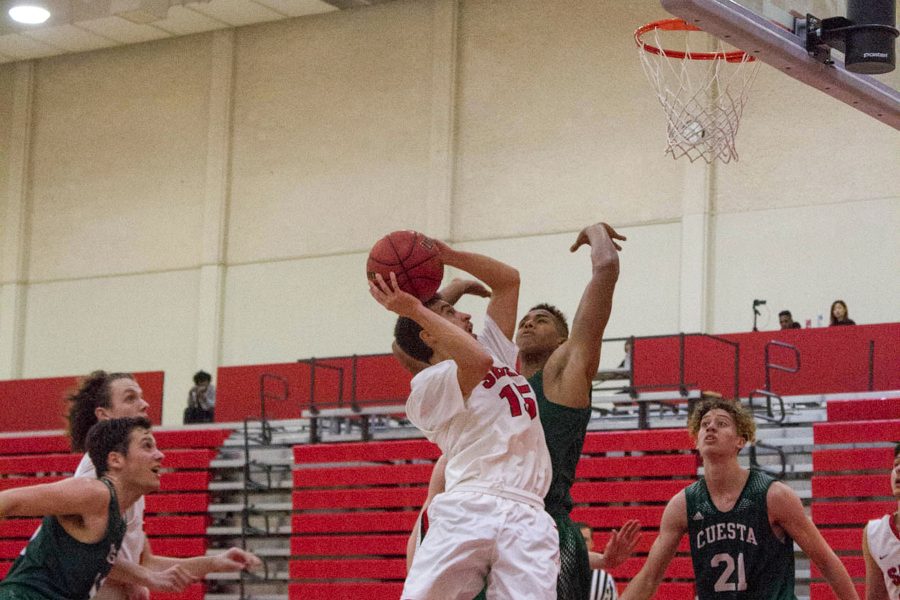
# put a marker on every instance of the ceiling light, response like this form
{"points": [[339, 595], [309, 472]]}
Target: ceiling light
{"points": [[29, 13]]}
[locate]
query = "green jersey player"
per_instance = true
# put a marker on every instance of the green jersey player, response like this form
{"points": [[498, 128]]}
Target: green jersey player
{"points": [[742, 524]]}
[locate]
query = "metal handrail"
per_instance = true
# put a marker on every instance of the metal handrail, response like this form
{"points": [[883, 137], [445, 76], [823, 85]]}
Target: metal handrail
{"points": [[769, 416], [777, 367], [263, 396], [313, 365], [755, 463]]}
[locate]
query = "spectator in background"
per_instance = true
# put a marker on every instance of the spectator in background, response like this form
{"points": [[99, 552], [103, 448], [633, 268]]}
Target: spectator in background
{"points": [[201, 403], [786, 320], [839, 314], [626, 362]]}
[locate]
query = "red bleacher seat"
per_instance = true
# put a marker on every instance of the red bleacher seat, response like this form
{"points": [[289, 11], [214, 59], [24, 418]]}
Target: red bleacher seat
{"points": [[851, 485], [822, 591], [344, 591], [863, 410], [857, 432], [355, 503]]}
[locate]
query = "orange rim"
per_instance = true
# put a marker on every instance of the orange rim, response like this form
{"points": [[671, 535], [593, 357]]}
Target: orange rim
{"points": [[681, 25]]}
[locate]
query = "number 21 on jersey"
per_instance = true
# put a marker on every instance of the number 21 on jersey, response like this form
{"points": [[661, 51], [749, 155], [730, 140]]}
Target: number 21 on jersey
{"points": [[517, 396], [724, 583]]}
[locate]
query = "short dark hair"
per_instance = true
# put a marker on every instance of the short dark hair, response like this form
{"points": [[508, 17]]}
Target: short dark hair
{"points": [[562, 325], [112, 435], [92, 392], [202, 377], [786, 313], [407, 335]]}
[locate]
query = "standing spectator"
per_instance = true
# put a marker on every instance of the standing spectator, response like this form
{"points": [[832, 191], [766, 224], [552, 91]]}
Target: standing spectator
{"points": [[786, 320], [839, 314], [201, 402]]}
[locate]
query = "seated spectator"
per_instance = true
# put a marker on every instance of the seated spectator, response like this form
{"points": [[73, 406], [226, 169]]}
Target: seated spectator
{"points": [[786, 320], [201, 400], [839, 314], [626, 362]]}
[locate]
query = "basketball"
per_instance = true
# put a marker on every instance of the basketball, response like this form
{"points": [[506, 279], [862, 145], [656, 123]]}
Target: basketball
{"points": [[414, 259]]}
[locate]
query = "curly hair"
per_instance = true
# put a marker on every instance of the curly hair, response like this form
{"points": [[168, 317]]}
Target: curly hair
{"points": [[111, 435], [562, 325], [743, 419], [92, 392]]}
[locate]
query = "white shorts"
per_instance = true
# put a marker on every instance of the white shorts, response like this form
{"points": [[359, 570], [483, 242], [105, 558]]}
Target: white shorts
{"points": [[473, 537]]}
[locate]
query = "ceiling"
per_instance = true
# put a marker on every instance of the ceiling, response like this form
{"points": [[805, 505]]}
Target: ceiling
{"points": [[83, 25]]}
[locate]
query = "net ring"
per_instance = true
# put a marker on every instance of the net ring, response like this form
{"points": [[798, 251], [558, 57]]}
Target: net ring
{"points": [[735, 56]]}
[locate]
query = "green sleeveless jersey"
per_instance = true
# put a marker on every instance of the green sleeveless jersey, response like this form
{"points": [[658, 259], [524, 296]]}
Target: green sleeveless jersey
{"points": [[736, 555], [56, 566], [564, 430]]}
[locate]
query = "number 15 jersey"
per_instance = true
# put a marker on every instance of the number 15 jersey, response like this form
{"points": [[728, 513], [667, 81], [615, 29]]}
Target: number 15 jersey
{"points": [[736, 555], [493, 439]]}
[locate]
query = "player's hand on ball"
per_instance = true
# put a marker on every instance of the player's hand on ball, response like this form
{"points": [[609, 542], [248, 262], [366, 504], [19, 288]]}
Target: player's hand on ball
{"points": [[392, 297], [621, 545], [598, 231]]}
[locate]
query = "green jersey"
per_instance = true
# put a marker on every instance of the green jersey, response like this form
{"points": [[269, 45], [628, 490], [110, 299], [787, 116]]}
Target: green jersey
{"points": [[56, 566], [564, 431], [736, 554]]}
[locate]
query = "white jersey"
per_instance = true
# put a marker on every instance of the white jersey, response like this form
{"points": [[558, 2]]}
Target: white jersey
{"points": [[132, 544], [493, 440], [884, 546]]}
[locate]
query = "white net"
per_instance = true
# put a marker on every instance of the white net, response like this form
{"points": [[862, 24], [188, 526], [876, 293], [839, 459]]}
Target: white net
{"points": [[702, 92]]}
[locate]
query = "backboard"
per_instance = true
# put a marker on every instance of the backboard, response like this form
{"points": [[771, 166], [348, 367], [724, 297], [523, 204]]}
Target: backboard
{"points": [[766, 28]]}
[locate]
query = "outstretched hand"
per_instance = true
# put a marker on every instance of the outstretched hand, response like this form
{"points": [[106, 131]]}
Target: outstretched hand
{"points": [[392, 297], [172, 580], [599, 231], [621, 545], [235, 559]]}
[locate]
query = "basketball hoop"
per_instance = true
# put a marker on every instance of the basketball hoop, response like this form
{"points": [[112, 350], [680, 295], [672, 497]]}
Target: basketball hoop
{"points": [[703, 93]]}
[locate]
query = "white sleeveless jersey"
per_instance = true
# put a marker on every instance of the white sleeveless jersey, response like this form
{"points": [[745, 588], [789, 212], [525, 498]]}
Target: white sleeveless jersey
{"points": [[132, 543], [884, 546], [493, 440]]}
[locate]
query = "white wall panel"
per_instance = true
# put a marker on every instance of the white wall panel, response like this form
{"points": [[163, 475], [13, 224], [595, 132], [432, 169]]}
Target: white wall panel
{"points": [[118, 159], [331, 131], [557, 125], [129, 323], [801, 259]]}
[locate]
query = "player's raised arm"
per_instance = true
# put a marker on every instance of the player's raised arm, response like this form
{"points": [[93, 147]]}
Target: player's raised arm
{"points": [[502, 279], [787, 512], [671, 528], [446, 337], [571, 368]]}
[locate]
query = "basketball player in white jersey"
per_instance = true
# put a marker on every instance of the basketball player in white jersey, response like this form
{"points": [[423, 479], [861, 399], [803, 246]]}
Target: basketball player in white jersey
{"points": [[881, 547], [490, 523]]}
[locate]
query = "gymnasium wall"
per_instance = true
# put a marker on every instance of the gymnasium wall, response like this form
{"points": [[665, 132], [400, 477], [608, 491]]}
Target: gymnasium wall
{"points": [[209, 200]]}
